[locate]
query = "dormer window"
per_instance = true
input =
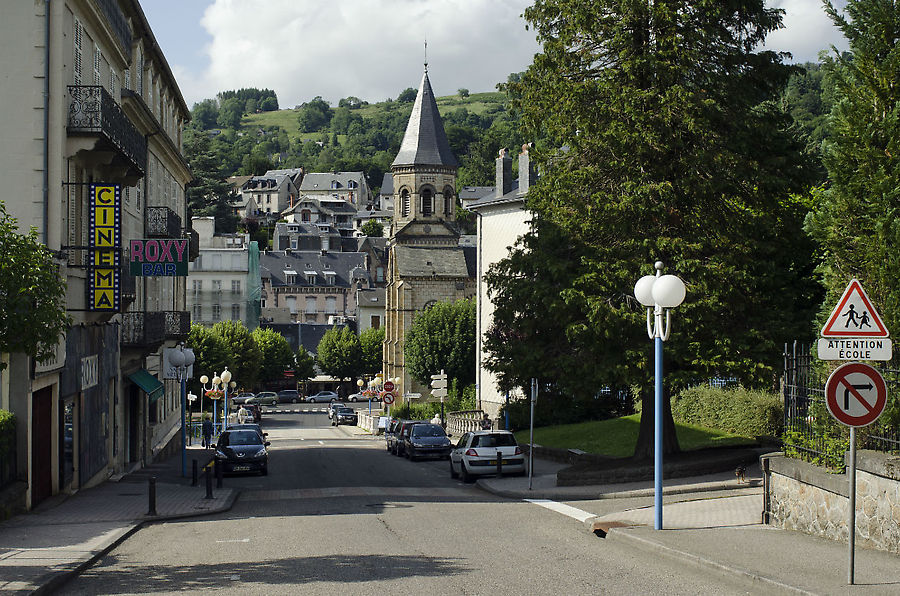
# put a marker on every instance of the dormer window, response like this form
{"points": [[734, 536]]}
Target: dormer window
{"points": [[329, 278], [310, 277], [290, 277]]}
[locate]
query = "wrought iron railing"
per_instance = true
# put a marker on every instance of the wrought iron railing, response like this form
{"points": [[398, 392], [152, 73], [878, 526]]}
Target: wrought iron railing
{"points": [[178, 324], [810, 432], [93, 111], [162, 222], [143, 329], [117, 23]]}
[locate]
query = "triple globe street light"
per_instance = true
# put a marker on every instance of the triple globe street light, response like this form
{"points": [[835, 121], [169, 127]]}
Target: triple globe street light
{"points": [[182, 360]]}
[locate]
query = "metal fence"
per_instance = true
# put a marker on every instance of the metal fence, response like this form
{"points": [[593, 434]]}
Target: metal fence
{"points": [[810, 432]]}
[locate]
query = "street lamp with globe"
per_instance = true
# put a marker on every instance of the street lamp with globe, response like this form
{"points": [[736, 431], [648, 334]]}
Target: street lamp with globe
{"points": [[214, 395], [659, 294], [226, 380], [191, 399], [182, 360]]}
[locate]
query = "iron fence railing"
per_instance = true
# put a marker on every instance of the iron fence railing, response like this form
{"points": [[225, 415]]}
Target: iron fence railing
{"points": [[810, 432]]}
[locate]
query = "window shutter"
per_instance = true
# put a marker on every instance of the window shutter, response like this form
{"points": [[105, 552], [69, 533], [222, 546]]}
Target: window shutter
{"points": [[97, 58], [79, 41]]}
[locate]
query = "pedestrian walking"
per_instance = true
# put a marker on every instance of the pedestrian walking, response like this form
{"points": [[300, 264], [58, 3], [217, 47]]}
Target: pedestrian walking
{"points": [[486, 423], [242, 415], [207, 428]]}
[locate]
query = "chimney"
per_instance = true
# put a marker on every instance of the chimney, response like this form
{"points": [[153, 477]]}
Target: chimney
{"points": [[526, 170], [504, 173]]}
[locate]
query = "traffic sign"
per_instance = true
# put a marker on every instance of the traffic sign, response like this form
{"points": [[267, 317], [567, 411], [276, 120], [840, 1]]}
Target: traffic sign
{"points": [[854, 348], [388, 397], [388, 386], [855, 394], [854, 316]]}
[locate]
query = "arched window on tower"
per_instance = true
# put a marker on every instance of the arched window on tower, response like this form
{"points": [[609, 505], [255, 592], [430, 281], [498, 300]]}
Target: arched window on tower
{"points": [[427, 201], [404, 203], [449, 201]]}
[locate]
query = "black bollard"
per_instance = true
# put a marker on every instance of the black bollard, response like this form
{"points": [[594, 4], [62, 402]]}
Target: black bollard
{"points": [[208, 474], [499, 463], [220, 472], [152, 496], [194, 473]]}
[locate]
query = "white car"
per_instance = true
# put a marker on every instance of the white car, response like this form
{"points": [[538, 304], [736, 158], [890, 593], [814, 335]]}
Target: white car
{"points": [[476, 455]]}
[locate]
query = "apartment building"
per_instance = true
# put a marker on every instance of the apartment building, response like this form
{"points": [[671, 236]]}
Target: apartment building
{"points": [[93, 122]]}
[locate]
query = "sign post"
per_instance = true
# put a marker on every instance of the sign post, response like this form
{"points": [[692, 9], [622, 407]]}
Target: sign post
{"points": [[534, 392]]}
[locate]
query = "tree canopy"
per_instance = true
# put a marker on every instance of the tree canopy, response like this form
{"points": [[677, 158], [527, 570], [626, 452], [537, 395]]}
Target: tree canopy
{"points": [[276, 355], [371, 342], [339, 353], [442, 337], [247, 359], [32, 293]]}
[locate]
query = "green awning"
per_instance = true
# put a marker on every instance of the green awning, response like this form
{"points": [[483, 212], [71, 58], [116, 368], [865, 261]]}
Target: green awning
{"points": [[150, 384]]}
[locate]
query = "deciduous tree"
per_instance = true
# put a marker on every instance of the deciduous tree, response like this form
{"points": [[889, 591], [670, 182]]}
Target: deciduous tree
{"points": [[339, 353], [371, 342], [442, 337], [276, 355], [247, 359]]}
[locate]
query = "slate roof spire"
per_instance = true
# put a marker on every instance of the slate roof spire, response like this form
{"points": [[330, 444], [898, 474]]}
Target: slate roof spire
{"points": [[425, 142]]}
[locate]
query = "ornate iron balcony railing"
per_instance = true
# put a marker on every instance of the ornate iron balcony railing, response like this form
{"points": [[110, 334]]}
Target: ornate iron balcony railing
{"points": [[162, 222], [178, 324], [143, 329], [94, 112]]}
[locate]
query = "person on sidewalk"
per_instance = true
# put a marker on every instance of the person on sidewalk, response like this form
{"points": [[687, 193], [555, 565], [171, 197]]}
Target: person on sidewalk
{"points": [[207, 429], [242, 415], [486, 423]]}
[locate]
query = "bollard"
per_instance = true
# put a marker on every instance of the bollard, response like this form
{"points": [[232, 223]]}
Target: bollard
{"points": [[194, 473], [152, 496], [208, 474], [499, 463], [220, 471]]}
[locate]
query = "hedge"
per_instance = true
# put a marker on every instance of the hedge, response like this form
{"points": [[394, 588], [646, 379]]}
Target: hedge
{"points": [[7, 432], [740, 411]]}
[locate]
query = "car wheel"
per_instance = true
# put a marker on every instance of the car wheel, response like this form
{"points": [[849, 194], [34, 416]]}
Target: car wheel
{"points": [[353, 399], [453, 473], [293, 400], [464, 473]]}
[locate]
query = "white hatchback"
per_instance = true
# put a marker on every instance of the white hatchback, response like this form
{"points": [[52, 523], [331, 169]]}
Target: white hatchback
{"points": [[477, 452]]}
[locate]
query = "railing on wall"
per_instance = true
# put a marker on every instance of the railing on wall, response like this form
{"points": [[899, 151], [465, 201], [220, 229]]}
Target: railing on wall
{"points": [[464, 421]]}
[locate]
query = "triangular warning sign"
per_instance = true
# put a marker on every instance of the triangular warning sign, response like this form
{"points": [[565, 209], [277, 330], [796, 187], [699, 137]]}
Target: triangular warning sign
{"points": [[854, 316]]}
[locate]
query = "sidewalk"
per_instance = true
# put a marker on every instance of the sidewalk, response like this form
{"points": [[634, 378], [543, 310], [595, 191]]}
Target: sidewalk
{"points": [[712, 522], [41, 549]]}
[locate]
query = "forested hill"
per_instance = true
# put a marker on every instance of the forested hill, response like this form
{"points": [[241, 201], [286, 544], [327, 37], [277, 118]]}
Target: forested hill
{"points": [[354, 136]]}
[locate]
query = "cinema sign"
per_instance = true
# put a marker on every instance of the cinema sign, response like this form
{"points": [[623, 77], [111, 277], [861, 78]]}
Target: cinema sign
{"points": [[159, 257]]}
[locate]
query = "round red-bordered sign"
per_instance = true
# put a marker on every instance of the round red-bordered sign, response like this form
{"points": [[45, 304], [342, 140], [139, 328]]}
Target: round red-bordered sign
{"points": [[388, 386], [855, 394], [388, 398]]}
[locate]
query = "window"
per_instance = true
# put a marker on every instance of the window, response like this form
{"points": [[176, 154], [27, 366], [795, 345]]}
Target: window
{"points": [[235, 286], [217, 312], [217, 286], [198, 286], [305, 216], [404, 203], [376, 321], [311, 305], [448, 201], [294, 243], [198, 312], [379, 274], [311, 278], [329, 278], [331, 305], [427, 202], [292, 304], [235, 312]]}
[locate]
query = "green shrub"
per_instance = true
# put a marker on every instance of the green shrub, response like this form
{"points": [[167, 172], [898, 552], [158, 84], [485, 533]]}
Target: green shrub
{"points": [[7, 432], [739, 411], [551, 410]]}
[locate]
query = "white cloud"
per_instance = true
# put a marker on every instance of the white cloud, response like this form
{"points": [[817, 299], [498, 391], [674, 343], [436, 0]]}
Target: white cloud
{"points": [[372, 49], [807, 30]]}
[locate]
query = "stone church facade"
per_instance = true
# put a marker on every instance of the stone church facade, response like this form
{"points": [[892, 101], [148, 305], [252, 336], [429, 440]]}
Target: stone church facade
{"points": [[426, 264]]}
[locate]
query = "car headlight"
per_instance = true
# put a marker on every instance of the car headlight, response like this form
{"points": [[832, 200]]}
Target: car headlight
{"points": [[418, 444], [221, 455], [260, 453]]}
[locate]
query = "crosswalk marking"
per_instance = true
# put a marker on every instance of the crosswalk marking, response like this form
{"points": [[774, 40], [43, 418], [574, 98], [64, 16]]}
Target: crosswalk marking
{"points": [[352, 491]]}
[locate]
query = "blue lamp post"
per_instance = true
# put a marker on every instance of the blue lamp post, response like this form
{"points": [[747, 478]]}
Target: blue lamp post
{"points": [[226, 383], [659, 293], [182, 360]]}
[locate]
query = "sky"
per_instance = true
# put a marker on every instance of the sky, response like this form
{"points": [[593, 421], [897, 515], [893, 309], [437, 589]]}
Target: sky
{"points": [[374, 49]]}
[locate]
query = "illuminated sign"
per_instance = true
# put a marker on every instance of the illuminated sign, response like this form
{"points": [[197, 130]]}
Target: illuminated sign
{"points": [[159, 257], [105, 240]]}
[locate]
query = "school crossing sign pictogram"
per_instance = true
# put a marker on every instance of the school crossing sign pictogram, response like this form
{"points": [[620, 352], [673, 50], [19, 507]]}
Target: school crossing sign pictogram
{"points": [[855, 394], [854, 316]]}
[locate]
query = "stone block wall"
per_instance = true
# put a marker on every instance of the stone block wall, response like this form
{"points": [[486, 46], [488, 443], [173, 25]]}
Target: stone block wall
{"points": [[800, 496]]}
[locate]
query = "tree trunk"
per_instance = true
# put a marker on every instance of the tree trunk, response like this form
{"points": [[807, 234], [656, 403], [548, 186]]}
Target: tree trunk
{"points": [[644, 450]]}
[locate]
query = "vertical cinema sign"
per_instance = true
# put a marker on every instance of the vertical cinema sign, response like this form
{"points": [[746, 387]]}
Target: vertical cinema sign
{"points": [[104, 247]]}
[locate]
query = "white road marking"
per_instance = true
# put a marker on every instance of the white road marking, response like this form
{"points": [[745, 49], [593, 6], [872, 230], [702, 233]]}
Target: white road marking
{"points": [[566, 510], [236, 540]]}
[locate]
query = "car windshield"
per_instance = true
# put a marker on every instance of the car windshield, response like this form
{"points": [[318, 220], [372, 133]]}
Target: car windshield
{"points": [[244, 437], [428, 430], [503, 440], [345, 410]]}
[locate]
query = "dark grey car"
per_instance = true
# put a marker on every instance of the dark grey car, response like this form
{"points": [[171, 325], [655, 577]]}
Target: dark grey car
{"points": [[242, 451], [426, 440]]}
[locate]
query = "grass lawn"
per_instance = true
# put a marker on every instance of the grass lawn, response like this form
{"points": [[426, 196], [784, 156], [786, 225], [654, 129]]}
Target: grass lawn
{"points": [[617, 437]]}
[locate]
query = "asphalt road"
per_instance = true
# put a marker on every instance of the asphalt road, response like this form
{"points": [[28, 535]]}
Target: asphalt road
{"points": [[338, 514]]}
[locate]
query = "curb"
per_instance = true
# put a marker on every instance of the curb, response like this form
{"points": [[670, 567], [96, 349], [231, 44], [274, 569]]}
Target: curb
{"points": [[555, 494], [58, 579], [768, 583]]}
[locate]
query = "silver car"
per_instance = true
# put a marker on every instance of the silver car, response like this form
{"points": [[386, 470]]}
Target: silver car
{"points": [[477, 452]]}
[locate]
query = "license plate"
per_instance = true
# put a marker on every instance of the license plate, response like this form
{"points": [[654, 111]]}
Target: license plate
{"points": [[493, 462], [241, 468]]}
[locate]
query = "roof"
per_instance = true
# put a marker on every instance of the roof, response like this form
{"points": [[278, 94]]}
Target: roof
{"points": [[321, 181], [370, 297], [387, 184], [274, 264], [490, 198], [417, 261], [425, 142]]}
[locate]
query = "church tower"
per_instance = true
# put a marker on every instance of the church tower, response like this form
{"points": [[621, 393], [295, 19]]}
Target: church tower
{"points": [[426, 263], [424, 174]]}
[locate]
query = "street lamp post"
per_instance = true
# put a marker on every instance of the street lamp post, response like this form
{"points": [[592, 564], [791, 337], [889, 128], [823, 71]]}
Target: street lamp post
{"points": [[203, 381], [216, 383], [226, 379], [659, 293], [182, 360], [191, 399]]}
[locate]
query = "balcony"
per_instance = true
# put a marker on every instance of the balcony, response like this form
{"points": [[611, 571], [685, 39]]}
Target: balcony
{"points": [[194, 245], [94, 113], [178, 324], [162, 222], [143, 329]]}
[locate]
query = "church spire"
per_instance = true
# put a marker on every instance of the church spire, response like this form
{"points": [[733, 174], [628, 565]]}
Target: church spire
{"points": [[425, 142]]}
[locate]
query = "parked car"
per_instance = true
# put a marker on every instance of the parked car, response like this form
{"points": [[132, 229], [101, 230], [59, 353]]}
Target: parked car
{"points": [[241, 398], [390, 433], [334, 406], [402, 434], [249, 426], [265, 398], [288, 396], [363, 397], [322, 396], [344, 415], [426, 440], [242, 450], [476, 454]]}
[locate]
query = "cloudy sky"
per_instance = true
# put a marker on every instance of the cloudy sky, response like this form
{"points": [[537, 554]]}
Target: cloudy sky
{"points": [[373, 49]]}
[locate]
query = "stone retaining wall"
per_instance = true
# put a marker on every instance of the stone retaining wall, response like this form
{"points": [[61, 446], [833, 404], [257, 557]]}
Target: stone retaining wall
{"points": [[801, 496]]}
